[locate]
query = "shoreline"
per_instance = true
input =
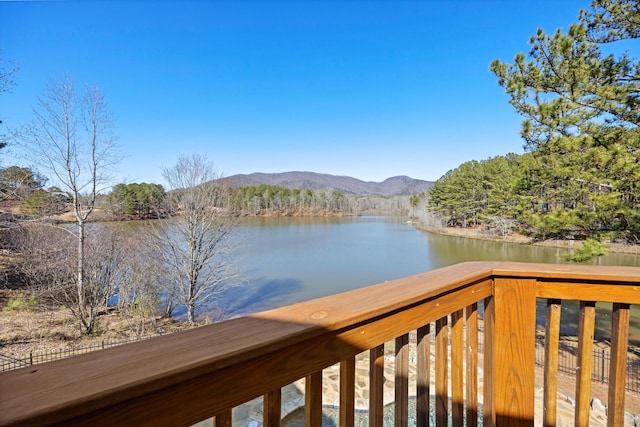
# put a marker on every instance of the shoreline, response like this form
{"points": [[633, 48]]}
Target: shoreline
{"points": [[478, 233]]}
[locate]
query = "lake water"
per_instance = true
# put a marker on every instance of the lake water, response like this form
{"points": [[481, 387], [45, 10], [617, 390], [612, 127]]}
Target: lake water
{"points": [[288, 260]]}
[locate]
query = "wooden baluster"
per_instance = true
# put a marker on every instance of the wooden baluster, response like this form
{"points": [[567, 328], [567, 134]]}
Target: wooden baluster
{"points": [[347, 392], [376, 384], [423, 376], [489, 389], [402, 381], [586, 324], [471, 314], [457, 368], [618, 366], [272, 415], [313, 400], [442, 373], [551, 346], [223, 419]]}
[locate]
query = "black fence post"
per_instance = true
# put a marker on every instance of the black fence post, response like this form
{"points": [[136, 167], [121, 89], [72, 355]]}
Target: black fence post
{"points": [[602, 366]]}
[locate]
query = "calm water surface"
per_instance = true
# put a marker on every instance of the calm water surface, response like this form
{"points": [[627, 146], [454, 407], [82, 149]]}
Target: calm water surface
{"points": [[288, 260]]}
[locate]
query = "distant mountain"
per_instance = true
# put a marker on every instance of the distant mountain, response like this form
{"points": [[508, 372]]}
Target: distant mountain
{"points": [[395, 186]]}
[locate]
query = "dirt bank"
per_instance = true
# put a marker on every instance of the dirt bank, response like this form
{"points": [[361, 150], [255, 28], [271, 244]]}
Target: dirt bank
{"points": [[480, 233], [54, 329]]}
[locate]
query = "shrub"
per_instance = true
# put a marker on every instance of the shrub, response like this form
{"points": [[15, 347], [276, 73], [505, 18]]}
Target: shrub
{"points": [[20, 304], [589, 249]]}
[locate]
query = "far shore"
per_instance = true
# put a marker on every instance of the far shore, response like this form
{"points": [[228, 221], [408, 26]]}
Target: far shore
{"points": [[479, 233]]}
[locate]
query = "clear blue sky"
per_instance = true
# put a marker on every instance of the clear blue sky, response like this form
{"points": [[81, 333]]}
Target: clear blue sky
{"points": [[369, 89]]}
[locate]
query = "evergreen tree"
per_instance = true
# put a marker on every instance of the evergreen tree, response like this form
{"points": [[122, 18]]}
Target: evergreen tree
{"points": [[581, 108], [477, 191], [140, 200], [19, 182]]}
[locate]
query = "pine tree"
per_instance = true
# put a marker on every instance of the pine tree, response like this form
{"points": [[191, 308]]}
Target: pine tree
{"points": [[581, 108]]}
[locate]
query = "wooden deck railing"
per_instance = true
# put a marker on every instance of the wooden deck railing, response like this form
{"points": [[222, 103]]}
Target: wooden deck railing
{"points": [[190, 376]]}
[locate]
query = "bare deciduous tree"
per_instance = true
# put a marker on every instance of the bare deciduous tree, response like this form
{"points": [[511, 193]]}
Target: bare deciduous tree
{"points": [[141, 285], [71, 140], [197, 241], [47, 259], [7, 71], [49, 263]]}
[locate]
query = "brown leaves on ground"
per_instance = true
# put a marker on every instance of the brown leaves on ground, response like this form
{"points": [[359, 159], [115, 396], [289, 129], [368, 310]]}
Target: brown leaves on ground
{"points": [[41, 329]]}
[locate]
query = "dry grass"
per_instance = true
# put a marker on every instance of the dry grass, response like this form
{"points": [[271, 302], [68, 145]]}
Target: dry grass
{"points": [[40, 330]]}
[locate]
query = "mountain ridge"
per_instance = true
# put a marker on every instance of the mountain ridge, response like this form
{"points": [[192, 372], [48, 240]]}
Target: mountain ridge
{"points": [[394, 186]]}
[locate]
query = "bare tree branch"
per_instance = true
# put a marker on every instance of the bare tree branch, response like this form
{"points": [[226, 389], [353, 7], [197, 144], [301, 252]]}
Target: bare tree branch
{"points": [[71, 139], [198, 241]]}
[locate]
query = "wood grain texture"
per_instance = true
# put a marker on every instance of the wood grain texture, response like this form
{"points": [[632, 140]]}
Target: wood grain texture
{"points": [[272, 413], [457, 367], [223, 419], [612, 292], [489, 363], [551, 343], [514, 353], [423, 375], [376, 386], [401, 385], [568, 272], [471, 358], [584, 364], [618, 367], [442, 372], [313, 400], [135, 383], [347, 392]]}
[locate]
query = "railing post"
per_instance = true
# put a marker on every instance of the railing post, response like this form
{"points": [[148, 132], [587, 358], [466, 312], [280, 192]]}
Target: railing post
{"points": [[510, 326], [313, 400], [457, 368], [618, 363], [423, 379], [471, 384], [551, 343], [402, 381], [442, 372], [223, 419], [347, 391], [584, 368], [376, 384], [272, 409]]}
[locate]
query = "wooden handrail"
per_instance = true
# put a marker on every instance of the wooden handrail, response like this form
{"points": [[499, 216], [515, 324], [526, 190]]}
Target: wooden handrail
{"points": [[193, 375]]}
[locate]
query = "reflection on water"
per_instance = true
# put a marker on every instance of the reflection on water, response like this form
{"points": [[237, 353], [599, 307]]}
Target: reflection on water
{"points": [[323, 256], [259, 295], [288, 260]]}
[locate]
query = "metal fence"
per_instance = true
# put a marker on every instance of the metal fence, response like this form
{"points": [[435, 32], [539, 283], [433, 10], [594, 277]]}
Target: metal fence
{"points": [[8, 363], [567, 359]]}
